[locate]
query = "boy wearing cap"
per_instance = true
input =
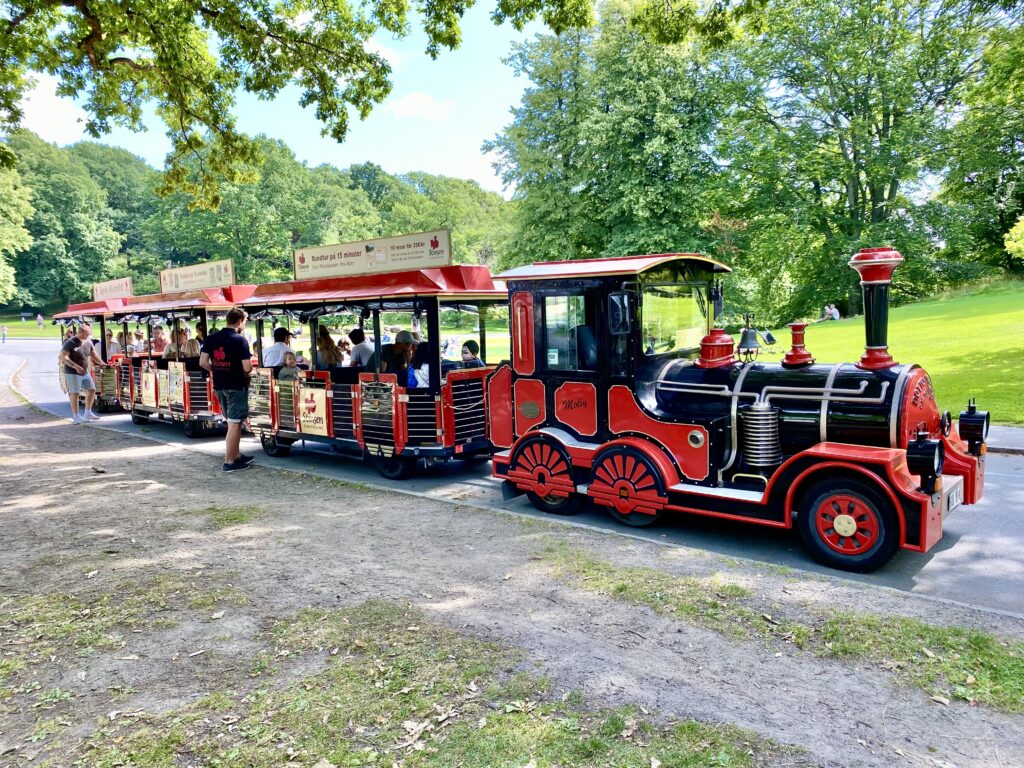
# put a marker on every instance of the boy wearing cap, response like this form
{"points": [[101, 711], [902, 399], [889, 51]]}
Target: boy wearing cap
{"points": [[273, 355]]}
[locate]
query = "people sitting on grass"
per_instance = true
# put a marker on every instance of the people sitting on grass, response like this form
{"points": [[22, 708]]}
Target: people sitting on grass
{"points": [[471, 355]]}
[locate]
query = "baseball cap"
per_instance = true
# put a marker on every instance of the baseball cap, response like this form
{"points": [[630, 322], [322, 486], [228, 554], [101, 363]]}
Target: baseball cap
{"points": [[404, 337], [281, 333]]}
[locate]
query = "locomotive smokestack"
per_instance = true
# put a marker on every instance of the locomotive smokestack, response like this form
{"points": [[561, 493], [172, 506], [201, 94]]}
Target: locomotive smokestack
{"points": [[876, 266]]}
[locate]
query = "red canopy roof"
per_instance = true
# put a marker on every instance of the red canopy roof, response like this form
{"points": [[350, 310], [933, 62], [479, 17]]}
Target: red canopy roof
{"points": [[618, 265], [91, 309], [207, 298], [456, 281]]}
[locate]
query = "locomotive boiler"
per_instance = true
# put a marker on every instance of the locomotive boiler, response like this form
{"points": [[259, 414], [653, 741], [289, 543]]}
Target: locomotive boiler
{"points": [[621, 392]]}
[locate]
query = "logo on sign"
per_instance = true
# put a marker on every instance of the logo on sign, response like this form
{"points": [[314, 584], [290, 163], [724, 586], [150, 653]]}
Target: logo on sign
{"points": [[572, 405]]}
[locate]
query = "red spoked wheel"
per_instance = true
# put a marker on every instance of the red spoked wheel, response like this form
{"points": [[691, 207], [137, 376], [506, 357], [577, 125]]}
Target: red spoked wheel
{"points": [[629, 485], [542, 467], [848, 524]]}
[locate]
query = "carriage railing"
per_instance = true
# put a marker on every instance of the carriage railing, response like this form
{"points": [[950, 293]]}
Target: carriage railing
{"points": [[198, 392], [343, 410], [468, 416], [377, 412], [260, 387], [421, 418]]}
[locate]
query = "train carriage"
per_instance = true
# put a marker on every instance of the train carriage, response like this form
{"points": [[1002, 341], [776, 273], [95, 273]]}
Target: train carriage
{"points": [[172, 389], [621, 391], [362, 412], [108, 382]]}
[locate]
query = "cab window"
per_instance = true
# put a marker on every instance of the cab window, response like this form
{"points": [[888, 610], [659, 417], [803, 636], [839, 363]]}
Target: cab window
{"points": [[674, 317], [570, 343]]}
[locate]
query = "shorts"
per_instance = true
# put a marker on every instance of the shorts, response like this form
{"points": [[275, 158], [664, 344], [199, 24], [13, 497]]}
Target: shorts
{"points": [[78, 382], [234, 404]]}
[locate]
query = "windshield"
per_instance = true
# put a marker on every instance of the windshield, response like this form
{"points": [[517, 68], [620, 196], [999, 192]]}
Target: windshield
{"points": [[674, 317]]}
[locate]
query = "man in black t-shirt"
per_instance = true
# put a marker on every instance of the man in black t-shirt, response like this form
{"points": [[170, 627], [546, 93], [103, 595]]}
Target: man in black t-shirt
{"points": [[226, 355], [76, 371]]}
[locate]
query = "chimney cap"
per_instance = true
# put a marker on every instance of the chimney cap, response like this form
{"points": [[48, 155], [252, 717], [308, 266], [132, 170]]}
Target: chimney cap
{"points": [[876, 265]]}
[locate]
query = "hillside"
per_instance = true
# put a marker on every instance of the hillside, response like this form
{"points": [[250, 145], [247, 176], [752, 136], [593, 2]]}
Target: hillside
{"points": [[971, 344]]}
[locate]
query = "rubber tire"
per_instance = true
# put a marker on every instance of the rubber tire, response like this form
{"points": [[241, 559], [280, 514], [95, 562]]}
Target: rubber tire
{"points": [[638, 520], [139, 418], [274, 446], [570, 505], [883, 549], [394, 467], [193, 429]]}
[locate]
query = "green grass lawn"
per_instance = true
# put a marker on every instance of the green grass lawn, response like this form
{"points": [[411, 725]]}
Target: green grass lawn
{"points": [[972, 345], [29, 330]]}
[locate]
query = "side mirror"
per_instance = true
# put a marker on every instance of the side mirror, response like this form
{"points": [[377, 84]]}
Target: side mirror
{"points": [[618, 314]]}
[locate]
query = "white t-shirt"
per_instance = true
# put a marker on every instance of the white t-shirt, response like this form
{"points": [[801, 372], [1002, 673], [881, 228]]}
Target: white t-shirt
{"points": [[361, 353], [274, 354]]}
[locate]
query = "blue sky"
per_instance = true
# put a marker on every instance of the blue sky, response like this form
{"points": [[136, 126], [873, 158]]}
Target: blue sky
{"points": [[438, 115]]}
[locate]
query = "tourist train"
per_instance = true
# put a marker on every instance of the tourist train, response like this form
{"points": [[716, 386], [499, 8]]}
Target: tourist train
{"points": [[614, 386]]}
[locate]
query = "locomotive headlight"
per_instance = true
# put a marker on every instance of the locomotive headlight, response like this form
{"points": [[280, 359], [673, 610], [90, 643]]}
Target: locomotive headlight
{"points": [[974, 427], [925, 458]]}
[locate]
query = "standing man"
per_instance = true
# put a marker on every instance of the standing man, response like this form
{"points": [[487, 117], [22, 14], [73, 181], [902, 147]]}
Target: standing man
{"points": [[39, 321], [92, 362], [3, 332], [76, 374], [226, 355]]}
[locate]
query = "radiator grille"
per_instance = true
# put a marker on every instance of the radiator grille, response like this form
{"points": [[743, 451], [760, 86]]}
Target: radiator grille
{"points": [[377, 415], [198, 400], [286, 405], [342, 411], [468, 402], [259, 400], [421, 411]]}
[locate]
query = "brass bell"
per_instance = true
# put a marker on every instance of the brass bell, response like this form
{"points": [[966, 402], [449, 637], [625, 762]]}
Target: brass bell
{"points": [[749, 346]]}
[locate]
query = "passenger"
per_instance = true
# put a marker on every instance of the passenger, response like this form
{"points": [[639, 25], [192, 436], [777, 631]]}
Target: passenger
{"points": [[397, 360], [124, 342], [290, 371], [171, 350], [140, 342], [200, 332], [159, 341], [419, 368], [362, 348], [470, 355], [113, 347], [275, 353], [190, 352], [345, 347], [328, 355]]}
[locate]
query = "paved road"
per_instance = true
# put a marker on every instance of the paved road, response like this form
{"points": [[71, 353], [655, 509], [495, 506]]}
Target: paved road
{"points": [[980, 560]]}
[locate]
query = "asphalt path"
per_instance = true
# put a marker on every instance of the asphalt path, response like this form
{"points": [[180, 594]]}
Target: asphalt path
{"points": [[979, 562]]}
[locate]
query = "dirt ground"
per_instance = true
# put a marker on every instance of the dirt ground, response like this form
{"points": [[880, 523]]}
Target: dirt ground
{"points": [[86, 509]]}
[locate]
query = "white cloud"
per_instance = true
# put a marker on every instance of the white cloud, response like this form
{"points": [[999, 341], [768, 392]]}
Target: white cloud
{"points": [[390, 55], [419, 105], [52, 117]]}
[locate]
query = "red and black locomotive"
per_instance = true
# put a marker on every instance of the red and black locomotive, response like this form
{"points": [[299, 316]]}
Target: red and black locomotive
{"points": [[619, 390]]}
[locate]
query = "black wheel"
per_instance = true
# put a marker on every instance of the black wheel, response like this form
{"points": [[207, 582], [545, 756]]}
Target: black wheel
{"points": [[394, 467], [274, 446], [847, 524], [101, 406], [629, 485], [139, 418], [192, 428], [542, 468]]}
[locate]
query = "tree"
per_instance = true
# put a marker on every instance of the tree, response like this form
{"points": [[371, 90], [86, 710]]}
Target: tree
{"points": [[987, 151], [15, 209], [190, 58], [73, 242], [608, 150], [840, 110]]}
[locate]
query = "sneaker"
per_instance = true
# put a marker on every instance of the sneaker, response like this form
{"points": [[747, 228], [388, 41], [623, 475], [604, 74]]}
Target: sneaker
{"points": [[246, 459], [90, 416], [76, 419], [236, 466]]}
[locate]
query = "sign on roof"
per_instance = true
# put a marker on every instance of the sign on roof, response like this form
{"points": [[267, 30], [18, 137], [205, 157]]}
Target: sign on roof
{"points": [[212, 274], [367, 257], [112, 289]]}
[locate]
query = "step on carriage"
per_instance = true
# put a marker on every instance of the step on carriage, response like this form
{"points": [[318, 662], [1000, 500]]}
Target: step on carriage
{"points": [[620, 390], [366, 413], [173, 389]]}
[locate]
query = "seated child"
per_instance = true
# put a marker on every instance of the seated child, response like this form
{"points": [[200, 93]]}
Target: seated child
{"points": [[290, 371]]}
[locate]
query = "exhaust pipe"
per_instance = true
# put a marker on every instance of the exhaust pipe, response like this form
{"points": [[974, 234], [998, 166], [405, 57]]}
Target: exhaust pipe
{"points": [[875, 266]]}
